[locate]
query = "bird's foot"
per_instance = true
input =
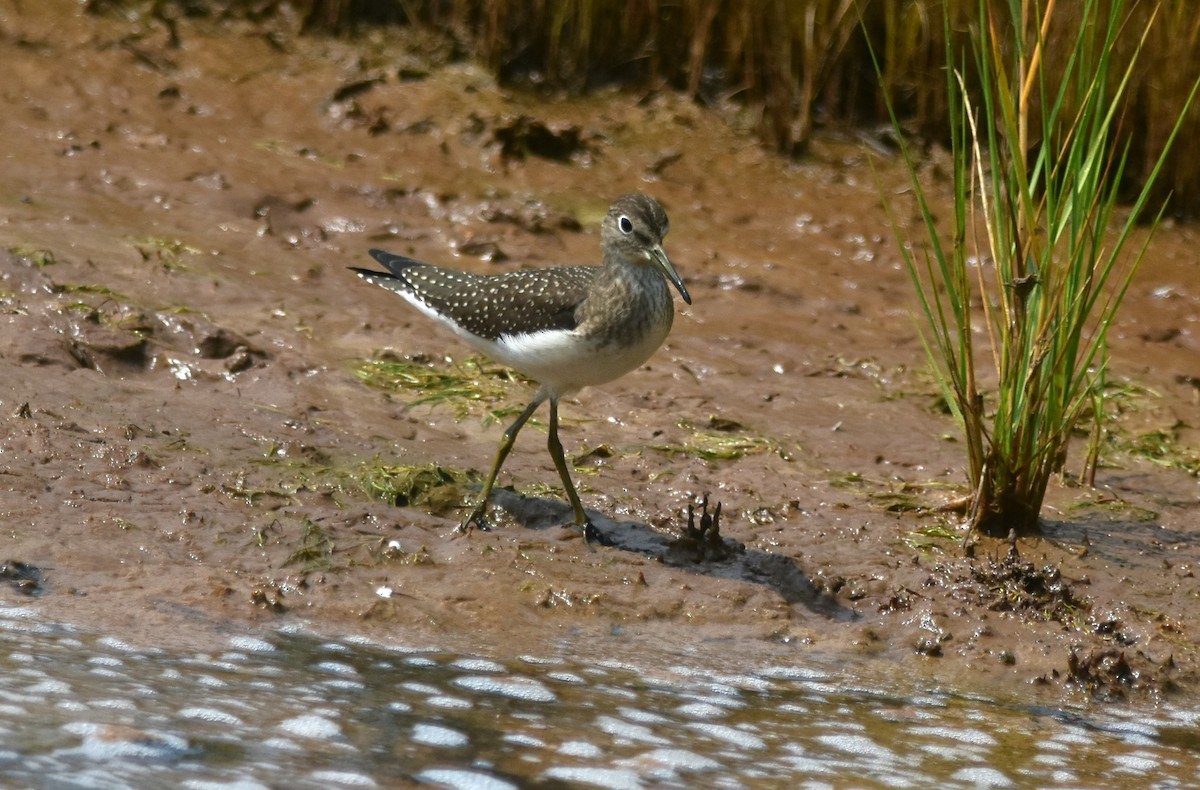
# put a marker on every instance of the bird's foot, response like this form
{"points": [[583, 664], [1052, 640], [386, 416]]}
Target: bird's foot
{"points": [[477, 520], [592, 535]]}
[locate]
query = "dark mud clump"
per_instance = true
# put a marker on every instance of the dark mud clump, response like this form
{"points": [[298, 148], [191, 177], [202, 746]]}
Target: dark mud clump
{"points": [[703, 543], [1108, 673], [23, 577], [1101, 658], [1032, 593]]}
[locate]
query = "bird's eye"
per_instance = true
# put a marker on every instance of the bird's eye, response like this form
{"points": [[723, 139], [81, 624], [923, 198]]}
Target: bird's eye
{"points": [[625, 225]]}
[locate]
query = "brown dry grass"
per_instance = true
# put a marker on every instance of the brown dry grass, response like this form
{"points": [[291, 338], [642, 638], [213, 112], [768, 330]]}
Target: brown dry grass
{"points": [[792, 64]]}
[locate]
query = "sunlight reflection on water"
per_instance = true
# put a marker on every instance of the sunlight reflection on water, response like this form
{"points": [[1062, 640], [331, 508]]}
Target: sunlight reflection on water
{"points": [[86, 711]]}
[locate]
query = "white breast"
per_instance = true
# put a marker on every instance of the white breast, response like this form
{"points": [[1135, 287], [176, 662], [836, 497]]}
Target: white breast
{"points": [[564, 361]]}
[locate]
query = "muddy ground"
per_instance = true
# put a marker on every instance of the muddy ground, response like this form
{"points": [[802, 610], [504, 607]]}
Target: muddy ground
{"points": [[187, 443]]}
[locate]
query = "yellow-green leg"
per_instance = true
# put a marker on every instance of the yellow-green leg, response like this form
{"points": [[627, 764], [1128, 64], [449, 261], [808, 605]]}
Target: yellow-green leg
{"points": [[560, 463], [476, 517]]}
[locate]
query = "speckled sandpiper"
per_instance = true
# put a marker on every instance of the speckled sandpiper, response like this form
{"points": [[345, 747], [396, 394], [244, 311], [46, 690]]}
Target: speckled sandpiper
{"points": [[565, 327]]}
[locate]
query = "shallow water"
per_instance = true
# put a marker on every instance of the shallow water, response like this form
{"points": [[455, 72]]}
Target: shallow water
{"points": [[81, 710]]}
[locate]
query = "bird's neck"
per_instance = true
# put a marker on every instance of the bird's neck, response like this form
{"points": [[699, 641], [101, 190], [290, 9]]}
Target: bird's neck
{"points": [[628, 297]]}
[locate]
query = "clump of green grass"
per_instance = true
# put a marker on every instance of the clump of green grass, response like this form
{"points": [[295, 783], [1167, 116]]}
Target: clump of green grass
{"points": [[316, 549], [932, 539], [890, 495], [1036, 179], [464, 386], [1162, 447], [37, 256], [240, 490], [430, 486], [97, 290], [1115, 510], [168, 252], [719, 440]]}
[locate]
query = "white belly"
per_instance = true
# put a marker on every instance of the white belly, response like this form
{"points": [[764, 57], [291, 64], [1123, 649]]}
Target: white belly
{"points": [[564, 361]]}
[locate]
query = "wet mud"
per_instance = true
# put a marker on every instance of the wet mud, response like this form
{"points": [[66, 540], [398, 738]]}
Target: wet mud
{"points": [[189, 444]]}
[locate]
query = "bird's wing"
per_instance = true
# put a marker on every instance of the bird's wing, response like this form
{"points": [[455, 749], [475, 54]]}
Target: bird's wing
{"points": [[488, 306], [513, 303]]}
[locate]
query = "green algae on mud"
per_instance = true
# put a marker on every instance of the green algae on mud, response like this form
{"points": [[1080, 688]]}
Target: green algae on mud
{"points": [[460, 385], [720, 439], [430, 486], [167, 252], [40, 258]]}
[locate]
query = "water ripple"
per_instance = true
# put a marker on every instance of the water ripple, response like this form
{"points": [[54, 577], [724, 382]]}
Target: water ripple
{"points": [[285, 709]]}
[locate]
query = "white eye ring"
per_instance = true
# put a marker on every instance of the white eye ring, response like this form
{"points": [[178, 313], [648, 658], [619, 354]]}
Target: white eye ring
{"points": [[625, 225]]}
